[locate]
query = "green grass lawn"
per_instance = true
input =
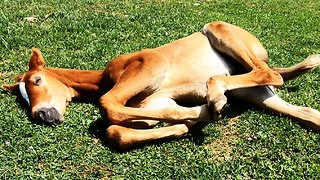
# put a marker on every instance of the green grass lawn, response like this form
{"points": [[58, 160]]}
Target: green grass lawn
{"points": [[246, 144]]}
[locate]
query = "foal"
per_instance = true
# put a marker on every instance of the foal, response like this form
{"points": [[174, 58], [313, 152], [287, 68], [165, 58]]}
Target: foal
{"points": [[138, 90]]}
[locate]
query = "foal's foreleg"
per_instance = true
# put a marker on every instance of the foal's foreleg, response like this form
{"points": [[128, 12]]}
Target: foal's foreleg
{"points": [[129, 134]]}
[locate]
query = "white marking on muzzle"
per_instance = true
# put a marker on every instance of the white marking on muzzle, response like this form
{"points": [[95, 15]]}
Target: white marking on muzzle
{"points": [[23, 91]]}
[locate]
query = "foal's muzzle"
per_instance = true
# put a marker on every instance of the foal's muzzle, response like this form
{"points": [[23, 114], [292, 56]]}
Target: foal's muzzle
{"points": [[47, 116]]}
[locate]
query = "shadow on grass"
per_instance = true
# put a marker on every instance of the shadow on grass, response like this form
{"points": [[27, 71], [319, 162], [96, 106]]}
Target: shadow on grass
{"points": [[292, 88], [233, 109]]}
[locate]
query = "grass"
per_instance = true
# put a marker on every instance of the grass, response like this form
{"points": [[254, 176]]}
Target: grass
{"points": [[86, 34]]}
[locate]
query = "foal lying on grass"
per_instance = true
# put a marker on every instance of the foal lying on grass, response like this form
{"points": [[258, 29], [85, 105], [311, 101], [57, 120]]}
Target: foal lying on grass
{"points": [[138, 90]]}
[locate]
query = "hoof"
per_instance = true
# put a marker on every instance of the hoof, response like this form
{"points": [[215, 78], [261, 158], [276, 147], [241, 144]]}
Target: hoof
{"points": [[217, 105]]}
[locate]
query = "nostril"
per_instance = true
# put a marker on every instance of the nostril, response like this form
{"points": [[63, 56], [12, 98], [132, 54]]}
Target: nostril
{"points": [[42, 115]]}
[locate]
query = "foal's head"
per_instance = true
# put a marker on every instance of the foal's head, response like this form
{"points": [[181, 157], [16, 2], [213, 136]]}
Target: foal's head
{"points": [[43, 90]]}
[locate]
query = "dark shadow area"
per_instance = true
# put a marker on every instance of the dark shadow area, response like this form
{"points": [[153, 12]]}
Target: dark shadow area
{"points": [[98, 130], [196, 134], [291, 88], [233, 109]]}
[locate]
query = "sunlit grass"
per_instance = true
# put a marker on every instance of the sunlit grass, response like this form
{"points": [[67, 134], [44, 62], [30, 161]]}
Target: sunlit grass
{"points": [[249, 144]]}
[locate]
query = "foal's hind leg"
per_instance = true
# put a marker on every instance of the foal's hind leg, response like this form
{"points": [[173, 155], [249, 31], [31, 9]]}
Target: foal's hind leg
{"points": [[264, 97], [237, 43], [125, 137], [246, 49]]}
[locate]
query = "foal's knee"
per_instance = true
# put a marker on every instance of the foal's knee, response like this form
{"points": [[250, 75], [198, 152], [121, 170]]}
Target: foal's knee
{"points": [[110, 109]]}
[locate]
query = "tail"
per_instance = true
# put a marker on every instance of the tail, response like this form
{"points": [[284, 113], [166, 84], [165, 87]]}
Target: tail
{"points": [[301, 68]]}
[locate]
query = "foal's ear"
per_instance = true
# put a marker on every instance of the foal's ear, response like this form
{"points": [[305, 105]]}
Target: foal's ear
{"points": [[14, 89], [36, 59]]}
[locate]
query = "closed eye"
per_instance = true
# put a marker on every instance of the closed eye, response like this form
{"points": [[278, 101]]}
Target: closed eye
{"points": [[37, 80]]}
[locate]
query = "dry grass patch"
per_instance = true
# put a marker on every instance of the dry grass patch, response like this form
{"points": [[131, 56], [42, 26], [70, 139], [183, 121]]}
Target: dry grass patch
{"points": [[222, 148]]}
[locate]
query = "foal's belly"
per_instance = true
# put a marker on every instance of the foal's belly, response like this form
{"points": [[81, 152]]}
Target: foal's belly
{"points": [[199, 68]]}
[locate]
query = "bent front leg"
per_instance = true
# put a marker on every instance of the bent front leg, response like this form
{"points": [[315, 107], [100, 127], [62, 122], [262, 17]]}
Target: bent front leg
{"points": [[118, 113], [125, 137]]}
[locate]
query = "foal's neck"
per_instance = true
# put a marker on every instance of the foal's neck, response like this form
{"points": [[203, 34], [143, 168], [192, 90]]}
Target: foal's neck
{"points": [[85, 84]]}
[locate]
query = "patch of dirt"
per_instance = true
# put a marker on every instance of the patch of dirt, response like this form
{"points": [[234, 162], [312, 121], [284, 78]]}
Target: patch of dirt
{"points": [[100, 170], [222, 148], [85, 171]]}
